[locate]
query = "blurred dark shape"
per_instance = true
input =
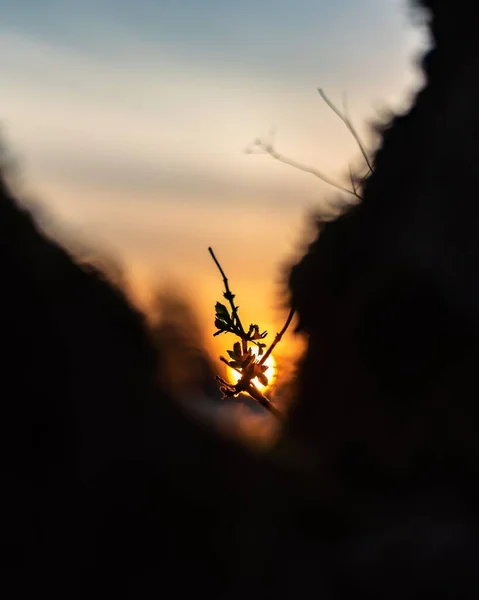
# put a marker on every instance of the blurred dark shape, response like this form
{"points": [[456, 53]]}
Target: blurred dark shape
{"points": [[185, 366], [389, 296], [77, 372], [108, 487]]}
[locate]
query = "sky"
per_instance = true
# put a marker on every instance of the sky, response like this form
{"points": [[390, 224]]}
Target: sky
{"points": [[129, 119]]}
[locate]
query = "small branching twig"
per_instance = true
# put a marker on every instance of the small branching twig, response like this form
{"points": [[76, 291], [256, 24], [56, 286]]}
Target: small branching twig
{"points": [[262, 146], [347, 121], [351, 179], [230, 297], [278, 337], [241, 357], [255, 393]]}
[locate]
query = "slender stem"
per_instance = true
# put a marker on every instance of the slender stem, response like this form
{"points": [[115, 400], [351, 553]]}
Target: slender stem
{"points": [[278, 337], [247, 385], [351, 177], [255, 393], [264, 401], [229, 297], [296, 165], [352, 130]]}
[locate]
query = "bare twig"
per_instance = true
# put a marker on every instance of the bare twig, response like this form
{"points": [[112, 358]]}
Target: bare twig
{"points": [[347, 121], [267, 148], [230, 297], [260, 146], [265, 402], [256, 394], [351, 178], [278, 337]]}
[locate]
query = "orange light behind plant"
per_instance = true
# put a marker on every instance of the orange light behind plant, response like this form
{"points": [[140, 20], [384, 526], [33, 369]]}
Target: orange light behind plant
{"points": [[234, 376]]}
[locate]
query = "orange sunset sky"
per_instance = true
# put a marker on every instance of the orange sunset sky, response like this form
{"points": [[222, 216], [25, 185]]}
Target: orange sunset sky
{"points": [[129, 121]]}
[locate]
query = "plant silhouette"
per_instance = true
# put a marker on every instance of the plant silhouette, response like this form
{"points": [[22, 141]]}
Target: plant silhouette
{"points": [[241, 357]]}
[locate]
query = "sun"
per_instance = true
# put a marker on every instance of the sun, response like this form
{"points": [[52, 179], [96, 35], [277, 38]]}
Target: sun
{"points": [[270, 373]]}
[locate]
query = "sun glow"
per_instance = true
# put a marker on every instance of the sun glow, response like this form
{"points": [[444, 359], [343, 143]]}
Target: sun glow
{"points": [[270, 373]]}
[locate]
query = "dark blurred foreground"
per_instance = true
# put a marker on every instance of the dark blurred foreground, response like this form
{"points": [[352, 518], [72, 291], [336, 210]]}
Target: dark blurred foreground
{"points": [[112, 489]]}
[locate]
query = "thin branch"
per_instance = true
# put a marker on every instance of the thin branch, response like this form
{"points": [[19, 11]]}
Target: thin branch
{"points": [[245, 384], [278, 337], [344, 105], [346, 120], [268, 149], [229, 296], [265, 402], [351, 177], [255, 393]]}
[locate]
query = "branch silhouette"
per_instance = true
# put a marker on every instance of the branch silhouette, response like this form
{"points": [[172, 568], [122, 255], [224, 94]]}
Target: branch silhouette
{"points": [[262, 146], [242, 360]]}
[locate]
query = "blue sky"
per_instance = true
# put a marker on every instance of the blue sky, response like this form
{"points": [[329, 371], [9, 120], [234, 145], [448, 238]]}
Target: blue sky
{"points": [[130, 119]]}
